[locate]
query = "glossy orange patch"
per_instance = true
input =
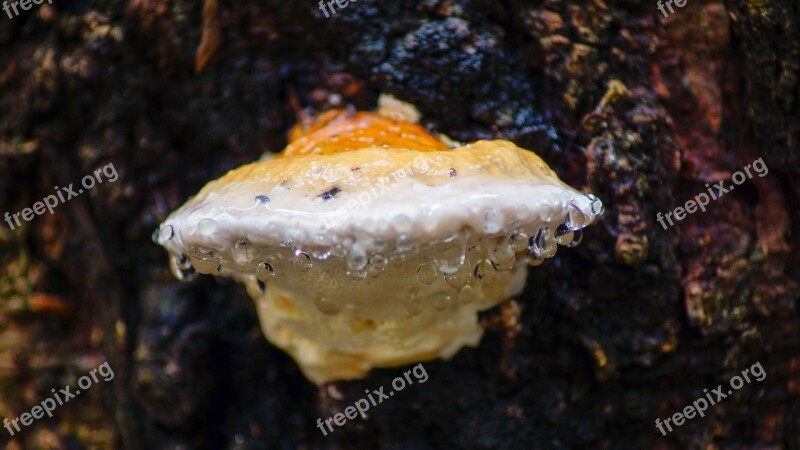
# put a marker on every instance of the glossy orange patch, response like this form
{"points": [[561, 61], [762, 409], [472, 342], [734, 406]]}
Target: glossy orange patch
{"points": [[338, 131]]}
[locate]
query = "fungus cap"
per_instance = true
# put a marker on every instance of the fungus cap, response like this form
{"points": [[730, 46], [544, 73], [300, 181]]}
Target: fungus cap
{"points": [[374, 244]]}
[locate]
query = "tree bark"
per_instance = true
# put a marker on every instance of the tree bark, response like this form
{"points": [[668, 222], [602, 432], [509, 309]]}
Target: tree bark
{"points": [[643, 110]]}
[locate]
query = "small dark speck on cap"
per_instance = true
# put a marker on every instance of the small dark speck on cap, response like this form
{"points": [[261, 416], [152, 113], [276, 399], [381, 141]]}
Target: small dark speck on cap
{"points": [[356, 169], [330, 193], [452, 172], [262, 199]]}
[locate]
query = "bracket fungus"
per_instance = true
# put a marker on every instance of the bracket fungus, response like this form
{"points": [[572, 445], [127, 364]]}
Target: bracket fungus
{"points": [[369, 242]]}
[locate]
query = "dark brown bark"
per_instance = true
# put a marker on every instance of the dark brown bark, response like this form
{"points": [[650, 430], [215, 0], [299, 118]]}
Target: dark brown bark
{"points": [[630, 326]]}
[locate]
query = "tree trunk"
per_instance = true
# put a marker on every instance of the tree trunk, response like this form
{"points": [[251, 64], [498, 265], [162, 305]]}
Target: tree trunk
{"points": [[647, 110]]}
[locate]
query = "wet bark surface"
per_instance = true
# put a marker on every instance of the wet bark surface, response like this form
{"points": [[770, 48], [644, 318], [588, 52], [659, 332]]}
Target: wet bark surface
{"points": [[640, 109]]}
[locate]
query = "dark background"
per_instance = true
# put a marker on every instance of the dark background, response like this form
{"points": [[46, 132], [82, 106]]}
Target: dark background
{"points": [[631, 325]]}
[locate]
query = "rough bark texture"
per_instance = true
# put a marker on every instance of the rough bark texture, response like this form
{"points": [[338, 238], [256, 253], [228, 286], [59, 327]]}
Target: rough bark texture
{"points": [[630, 326]]}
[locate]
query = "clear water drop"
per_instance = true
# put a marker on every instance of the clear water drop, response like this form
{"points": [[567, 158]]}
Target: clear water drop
{"points": [[543, 245], [204, 265], [357, 259], [536, 244], [427, 273], [243, 252], [404, 244], [450, 256], [396, 257], [502, 257], [265, 272], [577, 238], [183, 262], [441, 300], [533, 261], [475, 253], [327, 305], [167, 232], [503, 266], [376, 264], [181, 268], [301, 261], [414, 304], [483, 269], [597, 205], [564, 235], [162, 234], [458, 279], [518, 242], [575, 219], [550, 245], [467, 295], [204, 252]]}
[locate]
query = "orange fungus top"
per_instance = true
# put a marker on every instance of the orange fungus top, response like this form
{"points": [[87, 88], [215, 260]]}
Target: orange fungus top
{"points": [[340, 130]]}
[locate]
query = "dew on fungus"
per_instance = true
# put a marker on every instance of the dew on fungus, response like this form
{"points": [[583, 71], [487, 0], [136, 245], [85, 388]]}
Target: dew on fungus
{"points": [[181, 268], [265, 272], [243, 251], [543, 244], [427, 273], [357, 259], [458, 279], [164, 233], [467, 295], [203, 264], [449, 257], [414, 304], [577, 237], [502, 256], [518, 241], [483, 269], [301, 261], [440, 300], [576, 219], [384, 265], [564, 235], [397, 258], [376, 264]]}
